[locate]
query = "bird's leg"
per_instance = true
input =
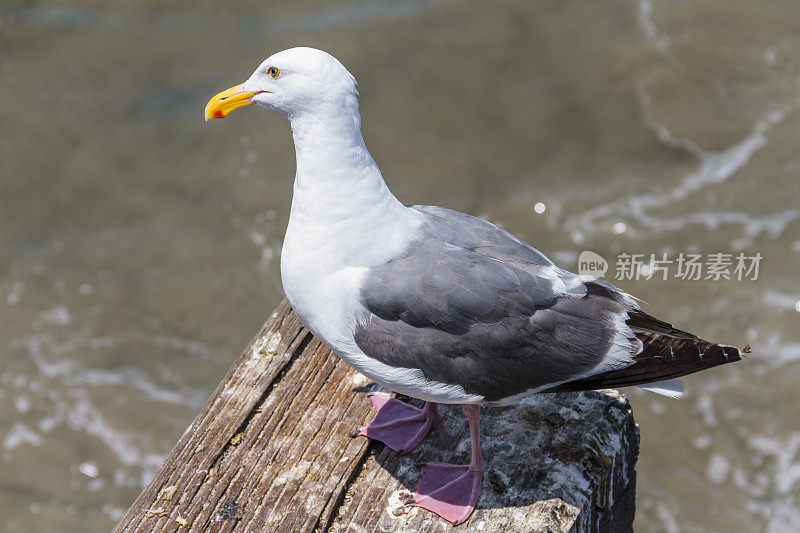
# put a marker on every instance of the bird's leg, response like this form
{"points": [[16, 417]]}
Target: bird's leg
{"points": [[451, 491], [398, 425]]}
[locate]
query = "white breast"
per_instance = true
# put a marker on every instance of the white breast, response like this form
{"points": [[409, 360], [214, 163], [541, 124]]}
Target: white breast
{"points": [[328, 250]]}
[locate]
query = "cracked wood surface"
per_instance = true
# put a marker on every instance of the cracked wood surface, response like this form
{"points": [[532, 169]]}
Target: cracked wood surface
{"points": [[270, 451]]}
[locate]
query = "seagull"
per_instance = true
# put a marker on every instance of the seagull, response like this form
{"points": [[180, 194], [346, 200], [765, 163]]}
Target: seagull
{"points": [[435, 304]]}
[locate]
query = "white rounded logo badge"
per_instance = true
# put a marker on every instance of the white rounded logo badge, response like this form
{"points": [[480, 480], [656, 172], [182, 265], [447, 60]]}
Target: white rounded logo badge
{"points": [[591, 265]]}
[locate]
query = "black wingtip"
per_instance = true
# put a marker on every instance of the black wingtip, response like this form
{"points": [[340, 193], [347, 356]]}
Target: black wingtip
{"points": [[663, 357]]}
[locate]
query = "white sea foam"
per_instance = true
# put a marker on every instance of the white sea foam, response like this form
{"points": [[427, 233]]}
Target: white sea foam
{"points": [[718, 468], [21, 434], [667, 518], [782, 516], [784, 452], [774, 352], [651, 31], [268, 250], [713, 168], [50, 355], [779, 300], [14, 295], [55, 352], [57, 316]]}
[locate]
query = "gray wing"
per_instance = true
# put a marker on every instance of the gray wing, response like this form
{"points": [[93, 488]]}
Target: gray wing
{"points": [[472, 305]]}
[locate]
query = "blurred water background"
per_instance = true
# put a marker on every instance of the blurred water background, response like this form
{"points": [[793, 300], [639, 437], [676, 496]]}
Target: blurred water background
{"points": [[139, 246]]}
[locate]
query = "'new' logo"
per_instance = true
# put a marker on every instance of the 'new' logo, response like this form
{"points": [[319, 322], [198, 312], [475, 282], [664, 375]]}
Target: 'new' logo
{"points": [[591, 265]]}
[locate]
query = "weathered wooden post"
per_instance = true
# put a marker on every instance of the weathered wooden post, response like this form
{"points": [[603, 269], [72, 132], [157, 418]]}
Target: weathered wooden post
{"points": [[270, 451]]}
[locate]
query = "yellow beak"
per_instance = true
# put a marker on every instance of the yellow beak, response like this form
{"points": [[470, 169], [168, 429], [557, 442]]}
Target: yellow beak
{"points": [[228, 101]]}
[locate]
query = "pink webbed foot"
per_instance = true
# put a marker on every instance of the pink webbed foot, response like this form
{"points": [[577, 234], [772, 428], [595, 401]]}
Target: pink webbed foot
{"points": [[451, 491], [398, 425]]}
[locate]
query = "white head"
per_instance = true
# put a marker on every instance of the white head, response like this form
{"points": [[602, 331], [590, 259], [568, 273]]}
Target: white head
{"points": [[295, 82]]}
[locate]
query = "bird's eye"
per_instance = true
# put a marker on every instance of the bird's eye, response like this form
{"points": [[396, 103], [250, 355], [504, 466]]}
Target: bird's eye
{"points": [[273, 72]]}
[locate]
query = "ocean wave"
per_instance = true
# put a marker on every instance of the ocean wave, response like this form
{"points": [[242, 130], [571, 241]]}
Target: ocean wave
{"points": [[713, 168]]}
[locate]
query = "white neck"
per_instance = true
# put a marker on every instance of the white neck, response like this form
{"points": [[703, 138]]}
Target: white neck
{"points": [[331, 156], [341, 203]]}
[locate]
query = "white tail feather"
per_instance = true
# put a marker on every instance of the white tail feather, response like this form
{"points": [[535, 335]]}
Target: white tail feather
{"points": [[672, 388]]}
